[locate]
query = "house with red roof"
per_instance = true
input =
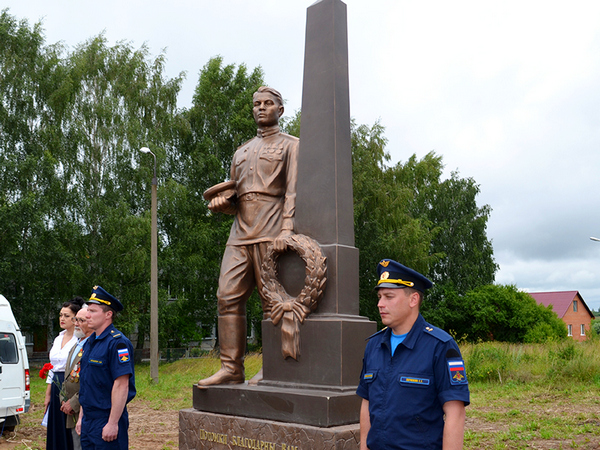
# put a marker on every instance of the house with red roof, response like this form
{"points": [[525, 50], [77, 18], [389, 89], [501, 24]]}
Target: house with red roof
{"points": [[571, 308]]}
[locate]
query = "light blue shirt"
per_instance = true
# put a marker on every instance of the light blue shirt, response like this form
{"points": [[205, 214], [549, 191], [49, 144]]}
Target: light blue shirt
{"points": [[396, 340]]}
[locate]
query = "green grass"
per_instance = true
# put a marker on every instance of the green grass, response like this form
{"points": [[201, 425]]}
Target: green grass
{"points": [[175, 380], [533, 396], [533, 415]]}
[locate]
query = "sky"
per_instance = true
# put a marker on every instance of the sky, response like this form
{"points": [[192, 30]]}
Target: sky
{"points": [[508, 93]]}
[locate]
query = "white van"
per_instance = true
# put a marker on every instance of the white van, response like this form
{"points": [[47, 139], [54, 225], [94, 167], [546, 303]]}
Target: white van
{"points": [[15, 396]]}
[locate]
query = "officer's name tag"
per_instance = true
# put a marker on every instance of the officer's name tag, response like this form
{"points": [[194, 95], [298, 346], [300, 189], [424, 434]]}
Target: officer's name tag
{"points": [[412, 380], [95, 361]]}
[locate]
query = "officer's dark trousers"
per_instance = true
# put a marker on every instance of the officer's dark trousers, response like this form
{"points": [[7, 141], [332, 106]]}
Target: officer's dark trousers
{"points": [[91, 433]]}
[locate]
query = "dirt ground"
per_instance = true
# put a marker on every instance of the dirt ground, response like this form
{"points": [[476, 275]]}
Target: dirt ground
{"points": [[148, 430], [159, 430]]}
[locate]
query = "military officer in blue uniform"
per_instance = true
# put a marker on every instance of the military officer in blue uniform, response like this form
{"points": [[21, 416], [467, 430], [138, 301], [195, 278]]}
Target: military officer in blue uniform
{"points": [[413, 381], [107, 380]]}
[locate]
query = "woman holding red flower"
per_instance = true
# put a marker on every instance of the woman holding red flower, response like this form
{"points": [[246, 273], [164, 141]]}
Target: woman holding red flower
{"points": [[57, 437]]}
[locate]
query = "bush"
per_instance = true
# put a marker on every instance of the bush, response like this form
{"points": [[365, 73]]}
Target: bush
{"points": [[497, 313]]}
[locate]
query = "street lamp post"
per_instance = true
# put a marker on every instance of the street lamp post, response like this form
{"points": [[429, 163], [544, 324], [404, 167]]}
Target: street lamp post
{"points": [[153, 280]]}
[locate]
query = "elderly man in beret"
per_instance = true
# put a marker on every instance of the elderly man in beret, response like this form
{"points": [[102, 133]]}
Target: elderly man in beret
{"points": [[107, 377], [413, 381]]}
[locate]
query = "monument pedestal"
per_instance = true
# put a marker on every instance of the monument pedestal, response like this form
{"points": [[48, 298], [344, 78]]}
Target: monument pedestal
{"points": [[200, 430], [315, 407], [331, 351], [309, 403]]}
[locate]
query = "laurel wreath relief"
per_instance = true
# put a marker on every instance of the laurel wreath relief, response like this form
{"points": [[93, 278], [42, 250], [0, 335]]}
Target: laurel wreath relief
{"points": [[291, 311]]}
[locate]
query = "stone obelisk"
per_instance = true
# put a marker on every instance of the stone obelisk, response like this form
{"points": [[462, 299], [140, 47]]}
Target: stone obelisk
{"points": [[332, 338]]}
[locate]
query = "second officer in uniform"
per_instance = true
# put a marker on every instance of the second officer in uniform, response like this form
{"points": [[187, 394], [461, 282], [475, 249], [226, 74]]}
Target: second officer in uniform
{"points": [[107, 378]]}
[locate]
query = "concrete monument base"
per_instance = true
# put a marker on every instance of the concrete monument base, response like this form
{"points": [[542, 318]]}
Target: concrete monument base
{"points": [[315, 407], [200, 430]]}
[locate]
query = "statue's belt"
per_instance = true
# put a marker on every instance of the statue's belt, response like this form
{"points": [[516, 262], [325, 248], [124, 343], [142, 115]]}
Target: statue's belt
{"points": [[257, 196]]}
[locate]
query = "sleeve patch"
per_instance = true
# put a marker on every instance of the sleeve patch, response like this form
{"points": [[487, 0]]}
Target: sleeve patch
{"points": [[458, 375], [123, 355]]}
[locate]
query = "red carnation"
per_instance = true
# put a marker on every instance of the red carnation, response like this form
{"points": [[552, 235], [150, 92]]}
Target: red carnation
{"points": [[44, 372]]}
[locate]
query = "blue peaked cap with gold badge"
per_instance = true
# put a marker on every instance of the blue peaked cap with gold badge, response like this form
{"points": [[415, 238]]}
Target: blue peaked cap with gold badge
{"points": [[101, 297], [394, 275]]}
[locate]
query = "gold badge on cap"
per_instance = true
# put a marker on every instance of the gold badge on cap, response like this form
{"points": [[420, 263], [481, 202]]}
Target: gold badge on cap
{"points": [[384, 276], [385, 263]]}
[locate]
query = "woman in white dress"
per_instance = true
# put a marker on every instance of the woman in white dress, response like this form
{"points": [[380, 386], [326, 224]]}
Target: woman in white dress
{"points": [[57, 437]]}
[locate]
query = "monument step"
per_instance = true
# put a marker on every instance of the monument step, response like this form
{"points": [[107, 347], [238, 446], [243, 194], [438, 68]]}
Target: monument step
{"points": [[317, 407]]}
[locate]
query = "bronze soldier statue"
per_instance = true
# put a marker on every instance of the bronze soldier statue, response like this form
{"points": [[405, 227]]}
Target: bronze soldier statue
{"points": [[262, 195]]}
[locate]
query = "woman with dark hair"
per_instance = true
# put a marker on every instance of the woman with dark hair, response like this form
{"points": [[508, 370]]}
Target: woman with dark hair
{"points": [[57, 437]]}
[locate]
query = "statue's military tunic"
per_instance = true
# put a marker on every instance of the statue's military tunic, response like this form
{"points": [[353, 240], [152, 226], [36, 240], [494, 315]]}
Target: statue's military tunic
{"points": [[265, 171], [105, 358], [406, 391]]}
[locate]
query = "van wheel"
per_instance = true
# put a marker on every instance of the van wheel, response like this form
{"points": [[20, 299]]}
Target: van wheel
{"points": [[10, 423]]}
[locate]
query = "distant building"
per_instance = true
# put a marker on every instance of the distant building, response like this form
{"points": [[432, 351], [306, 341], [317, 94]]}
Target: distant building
{"points": [[571, 308]]}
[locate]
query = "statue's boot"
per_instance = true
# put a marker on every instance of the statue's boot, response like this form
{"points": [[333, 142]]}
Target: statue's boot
{"points": [[232, 342]]}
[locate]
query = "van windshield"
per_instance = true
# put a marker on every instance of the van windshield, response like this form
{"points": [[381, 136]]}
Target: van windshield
{"points": [[8, 349]]}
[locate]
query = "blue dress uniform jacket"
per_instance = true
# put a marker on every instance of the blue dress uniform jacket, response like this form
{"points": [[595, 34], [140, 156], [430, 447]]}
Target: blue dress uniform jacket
{"points": [[105, 358], [406, 391]]}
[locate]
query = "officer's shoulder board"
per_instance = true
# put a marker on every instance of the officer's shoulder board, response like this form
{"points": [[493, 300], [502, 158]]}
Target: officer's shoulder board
{"points": [[115, 334], [375, 334], [437, 333]]}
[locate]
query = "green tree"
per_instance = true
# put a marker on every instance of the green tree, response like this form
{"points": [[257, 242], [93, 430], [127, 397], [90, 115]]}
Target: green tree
{"points": [[468, 260], [75, 198], [449, 207], [34, 262], [118, 100], [291, 124], [595, 326], [383, 224], [500, 313]]}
